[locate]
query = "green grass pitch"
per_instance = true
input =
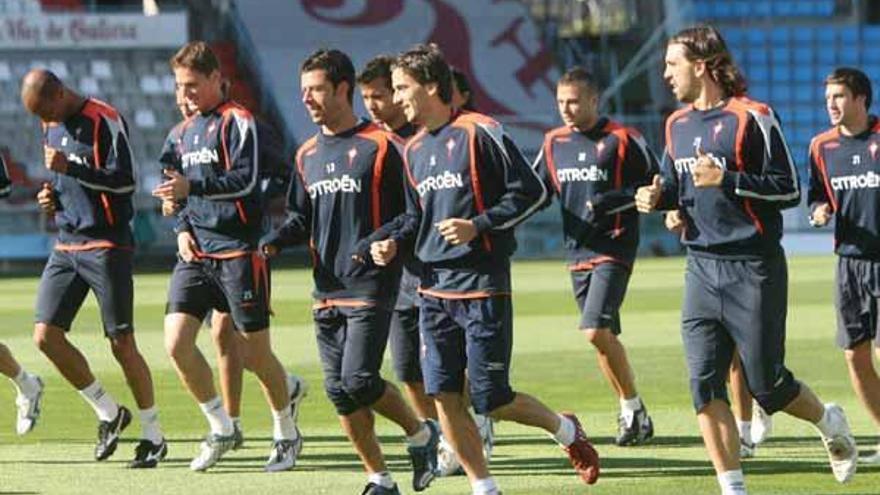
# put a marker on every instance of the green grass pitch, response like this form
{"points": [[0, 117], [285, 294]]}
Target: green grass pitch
{"points": [[551, 361]]}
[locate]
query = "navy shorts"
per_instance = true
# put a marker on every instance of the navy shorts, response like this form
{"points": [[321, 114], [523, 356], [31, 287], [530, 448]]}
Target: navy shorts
{"points": [[732, 305], [599, 293], [468, 334], [69, 275], [239, 286], [351, 342], [857, 298]]}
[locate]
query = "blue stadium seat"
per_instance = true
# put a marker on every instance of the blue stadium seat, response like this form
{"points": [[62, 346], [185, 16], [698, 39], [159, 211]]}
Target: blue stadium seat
{"points": [[803, 54], [871, 35], [758, 55], [825, 8], [757, 37], [742, 9], [803, 73], [802, 115], [781, 73], [758, 73], [733, 36], [825, 36], [723, 10], [761, 9], [873, 73], [780, 55], [780, 94], [702, 10], [847, 35], [827, 55], [804, 35], [780, 35], [848, 55], [784, 8], [784, 112], [870, 55], [805, 93], [805, 8]]}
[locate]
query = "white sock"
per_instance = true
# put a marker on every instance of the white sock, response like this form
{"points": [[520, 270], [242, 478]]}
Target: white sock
{"points": [[745, 430], [221, 423], [824, 424], [565, 435], [420, 438], [150, 429], [484, 486], [105, 407], [25, 383], [282, 425], [382, 479], [732, 482], [628, 407]]}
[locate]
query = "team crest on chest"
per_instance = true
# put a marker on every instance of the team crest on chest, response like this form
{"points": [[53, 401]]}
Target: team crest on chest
{"points": [[582, 156], [352, 153], [212, 127], [433, 161], [857, 159], [600, 147], [449, 146], [716, 130], [872, 148]]}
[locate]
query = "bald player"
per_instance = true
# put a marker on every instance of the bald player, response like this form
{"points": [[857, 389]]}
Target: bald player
{"points": [[86, 148]]}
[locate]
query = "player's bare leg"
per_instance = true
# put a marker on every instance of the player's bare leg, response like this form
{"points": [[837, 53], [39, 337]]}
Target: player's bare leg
{"points": [[634, 424], [741, 403]]}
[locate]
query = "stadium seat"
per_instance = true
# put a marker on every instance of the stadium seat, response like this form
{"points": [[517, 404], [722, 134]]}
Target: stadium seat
{"points": [[150, 84], [5, 71], [101, 69], [144, 118], [806, 93], [168, 84], [758, 73], [781, 74], [89, 86], [803, 73]]}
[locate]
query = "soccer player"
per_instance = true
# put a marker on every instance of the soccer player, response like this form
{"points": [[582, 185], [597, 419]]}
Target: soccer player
{"points": [[348, 182], [86, 147], [228, 343], [594, 165], [845, 186], [219, 267], [728, 170], [468, 186], [374, 83]]}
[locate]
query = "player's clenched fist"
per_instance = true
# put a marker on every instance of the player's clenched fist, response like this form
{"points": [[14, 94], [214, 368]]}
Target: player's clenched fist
{"points": [[457, 230], [648, 196], [821, 215], [673, 221], [46, 199], [383, 252]]}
